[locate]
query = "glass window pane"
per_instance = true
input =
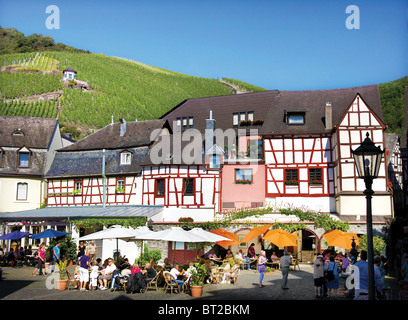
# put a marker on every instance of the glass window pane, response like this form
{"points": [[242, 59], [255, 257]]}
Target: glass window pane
{"points": [[22, 191], [24, 159]]}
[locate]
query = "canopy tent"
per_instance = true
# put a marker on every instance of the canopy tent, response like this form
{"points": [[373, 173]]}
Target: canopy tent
{"points": [[49, 233], [233, 237], [255, 232], [341, 239], [280, 238]]}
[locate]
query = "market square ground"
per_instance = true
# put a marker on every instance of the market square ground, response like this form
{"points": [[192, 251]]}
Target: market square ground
{"points": [[18, 284]]}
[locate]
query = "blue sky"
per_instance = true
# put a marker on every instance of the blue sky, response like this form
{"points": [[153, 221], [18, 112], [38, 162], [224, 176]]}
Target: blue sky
{"points": [[286, 45]]}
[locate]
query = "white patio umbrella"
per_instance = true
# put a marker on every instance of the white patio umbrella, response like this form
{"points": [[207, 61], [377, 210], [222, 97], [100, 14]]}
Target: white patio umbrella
{"points": [[210, 237], [178, 234], [114, 232]]}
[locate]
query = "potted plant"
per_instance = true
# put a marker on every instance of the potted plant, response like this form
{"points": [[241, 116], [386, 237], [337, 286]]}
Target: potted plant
{"points": [[62, 282], [197, 279]]}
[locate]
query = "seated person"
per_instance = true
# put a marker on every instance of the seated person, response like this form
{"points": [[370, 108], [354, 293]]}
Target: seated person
{"points": [[11, 257], [167, 265], [175, 273], [212, 255], [229, 273], [228, 255], [190, 269], [149, 272], [106, 275], [274, 257], [135, 269]]}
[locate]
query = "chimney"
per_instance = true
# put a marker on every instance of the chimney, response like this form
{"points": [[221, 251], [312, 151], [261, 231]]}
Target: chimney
{"points": [[122, 127], [209, 132], [328, 114]]}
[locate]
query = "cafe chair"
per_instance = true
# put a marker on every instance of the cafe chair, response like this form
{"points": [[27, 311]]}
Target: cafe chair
{"points": [[169, 284], [153, 282]]}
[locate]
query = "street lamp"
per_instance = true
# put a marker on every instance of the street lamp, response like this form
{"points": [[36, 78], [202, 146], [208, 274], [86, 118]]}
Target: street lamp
{"points": [[367, 158]]}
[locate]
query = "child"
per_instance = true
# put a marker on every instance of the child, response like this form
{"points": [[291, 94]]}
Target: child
{"points": [[76, 273], [94, 275]]}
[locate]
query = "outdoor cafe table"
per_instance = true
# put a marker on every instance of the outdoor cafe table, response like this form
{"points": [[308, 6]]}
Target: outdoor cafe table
{"points": [[217, 261], [273, 264]]}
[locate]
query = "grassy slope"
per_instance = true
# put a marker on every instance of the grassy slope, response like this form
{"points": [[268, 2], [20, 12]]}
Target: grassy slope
{"points": [[122, 88]]}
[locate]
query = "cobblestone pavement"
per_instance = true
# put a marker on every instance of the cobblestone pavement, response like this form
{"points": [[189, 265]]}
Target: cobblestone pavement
{"points": [[19, 284]]}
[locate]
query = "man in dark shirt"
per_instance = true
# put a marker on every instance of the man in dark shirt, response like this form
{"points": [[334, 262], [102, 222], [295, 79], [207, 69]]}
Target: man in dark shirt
{"points": [[150, 272]]}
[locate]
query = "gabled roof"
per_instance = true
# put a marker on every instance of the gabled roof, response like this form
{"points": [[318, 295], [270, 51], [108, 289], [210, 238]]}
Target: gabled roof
{"points": [[137, 135], [271, 106], [314, 101], [26, 132]]}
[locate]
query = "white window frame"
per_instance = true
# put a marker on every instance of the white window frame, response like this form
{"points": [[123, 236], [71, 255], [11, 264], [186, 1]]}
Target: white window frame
{"points": [[125, 158], [18, 191]]}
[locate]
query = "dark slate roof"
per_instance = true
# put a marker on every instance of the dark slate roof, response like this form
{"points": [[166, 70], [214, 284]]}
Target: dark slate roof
{"points": [[391, 140], [89, 163], [222, 108], [36, 132], [314, 102], [137, 135], [271, 105], [80, 212], [69, 69]]}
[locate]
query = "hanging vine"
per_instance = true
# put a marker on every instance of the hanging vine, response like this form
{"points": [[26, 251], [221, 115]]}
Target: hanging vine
{"points": [[107, 222]]}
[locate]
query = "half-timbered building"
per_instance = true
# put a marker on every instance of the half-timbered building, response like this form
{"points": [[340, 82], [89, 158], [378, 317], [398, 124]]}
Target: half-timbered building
{"points": [[104, 167]]}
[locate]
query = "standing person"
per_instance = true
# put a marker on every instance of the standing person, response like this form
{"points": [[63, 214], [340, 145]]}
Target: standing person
{"points": [[56, 253], [332, 277], [251, 254], [41, 260], [345, 263], [318, 275], [379, 284], [92, 250], [81, 249], [94, 275], [83, 271], [285, 262], [404, 269], [261, 267], [362, 292]]}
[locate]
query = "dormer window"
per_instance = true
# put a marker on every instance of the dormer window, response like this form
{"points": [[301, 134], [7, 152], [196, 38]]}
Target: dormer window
{"points": [[24, 158], [18, 133], [125, 157], [295, 117]]}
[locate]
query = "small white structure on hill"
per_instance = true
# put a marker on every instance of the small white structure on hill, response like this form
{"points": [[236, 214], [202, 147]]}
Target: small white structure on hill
{"points": [[69, 74]]}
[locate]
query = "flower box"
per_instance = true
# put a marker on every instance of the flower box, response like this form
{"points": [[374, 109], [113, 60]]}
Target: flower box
{"points": [[291, 182], [243, 181], [245, 123], [315, 182], [186, 220], [258, 122]]}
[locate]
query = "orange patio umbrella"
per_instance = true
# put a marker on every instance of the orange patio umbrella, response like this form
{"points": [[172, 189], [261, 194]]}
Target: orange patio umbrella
{"points": [[340, 239], [255, 232], [233, 236], [280, 238]]}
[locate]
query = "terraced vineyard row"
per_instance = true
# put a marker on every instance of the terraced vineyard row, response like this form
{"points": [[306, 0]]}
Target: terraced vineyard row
{"points": [[120, 87], [43, 109]]}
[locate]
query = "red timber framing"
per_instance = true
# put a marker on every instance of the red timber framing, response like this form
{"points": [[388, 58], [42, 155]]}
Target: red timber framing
{"points": [[61, 192], [206, 190], [304, 154], [351, 131]]}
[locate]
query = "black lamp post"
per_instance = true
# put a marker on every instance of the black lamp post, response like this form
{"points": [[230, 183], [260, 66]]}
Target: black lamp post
{"points": [[367, 158]]}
